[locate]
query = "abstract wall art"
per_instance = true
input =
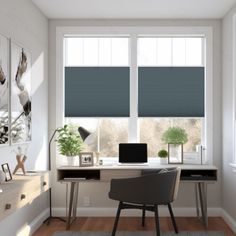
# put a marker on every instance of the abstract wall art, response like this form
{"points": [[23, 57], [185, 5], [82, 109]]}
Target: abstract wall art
{"points": [[4, 90], [20, 94]]}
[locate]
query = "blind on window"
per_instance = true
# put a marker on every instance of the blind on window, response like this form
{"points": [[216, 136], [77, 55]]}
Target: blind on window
{"points": [[97, 91], [171, 91]]}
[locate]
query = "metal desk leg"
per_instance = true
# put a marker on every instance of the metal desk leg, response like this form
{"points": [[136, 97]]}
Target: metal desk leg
{"points": [[75, 199], [203, 202], [72, 188], [197, 200]]}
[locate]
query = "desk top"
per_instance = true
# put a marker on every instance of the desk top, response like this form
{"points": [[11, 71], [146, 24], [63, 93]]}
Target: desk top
{"points": [[139, 167]]}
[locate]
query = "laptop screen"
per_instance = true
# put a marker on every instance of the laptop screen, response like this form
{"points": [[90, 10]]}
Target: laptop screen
{"points": [[133, 153]]}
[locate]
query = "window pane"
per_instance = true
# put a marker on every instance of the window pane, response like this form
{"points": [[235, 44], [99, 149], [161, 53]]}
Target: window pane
{"points": [[105, 51], [90, 51], [74, 51], [152, 129], [147, 51], [89, 124], [112, 132], [178, 51], [164, 51], [120, 52], [194, 51]]}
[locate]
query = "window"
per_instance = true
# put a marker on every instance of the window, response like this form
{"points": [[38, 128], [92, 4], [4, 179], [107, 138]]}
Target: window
{"points": [[152, 52], [105, 55], [173, 52]]}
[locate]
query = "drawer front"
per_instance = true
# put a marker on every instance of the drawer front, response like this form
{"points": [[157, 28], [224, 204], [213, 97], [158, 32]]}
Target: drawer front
{"points": [[19, 193]]}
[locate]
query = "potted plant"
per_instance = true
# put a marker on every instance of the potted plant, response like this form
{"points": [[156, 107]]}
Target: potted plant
{"points": [[162, 154], [69, 142], [175, 137]]}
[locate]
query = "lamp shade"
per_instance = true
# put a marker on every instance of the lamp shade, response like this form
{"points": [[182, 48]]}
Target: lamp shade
{"points": [[83, 133]]}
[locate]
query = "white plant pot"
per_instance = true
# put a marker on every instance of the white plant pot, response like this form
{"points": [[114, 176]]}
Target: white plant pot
{"points": [[70, 160], [163, 160]]}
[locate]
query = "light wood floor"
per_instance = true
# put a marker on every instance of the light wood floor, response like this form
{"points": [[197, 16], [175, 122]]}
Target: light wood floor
{"points": [[134, 224]]}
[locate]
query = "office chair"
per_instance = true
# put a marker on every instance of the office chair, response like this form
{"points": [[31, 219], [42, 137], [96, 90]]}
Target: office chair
{"points": [[147, 192]]}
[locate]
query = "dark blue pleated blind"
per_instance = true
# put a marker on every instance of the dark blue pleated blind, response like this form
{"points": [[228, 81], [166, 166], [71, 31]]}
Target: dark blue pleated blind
{"points": [[97, 91], [171, 92]]}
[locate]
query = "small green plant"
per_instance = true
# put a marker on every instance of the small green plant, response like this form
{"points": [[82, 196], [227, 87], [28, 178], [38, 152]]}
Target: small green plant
{"points": [[175, 135], [69, 141], [162, 153]]}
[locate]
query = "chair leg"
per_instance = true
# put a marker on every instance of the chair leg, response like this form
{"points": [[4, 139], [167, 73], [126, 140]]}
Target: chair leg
{"points": [[158, 233], [143, 216], [173, 218], [117, 219]]}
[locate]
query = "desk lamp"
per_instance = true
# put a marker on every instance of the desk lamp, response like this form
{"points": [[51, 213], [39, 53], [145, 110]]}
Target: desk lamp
{"points": [[87, 138]]}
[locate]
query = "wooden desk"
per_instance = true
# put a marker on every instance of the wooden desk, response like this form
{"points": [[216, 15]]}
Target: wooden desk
{"points": [[22, 190], [200, 175]]}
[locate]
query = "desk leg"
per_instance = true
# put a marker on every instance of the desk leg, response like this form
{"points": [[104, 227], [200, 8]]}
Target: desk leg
{"points": [[72, 188], [75, 199], [203, 202], [197, 200]]}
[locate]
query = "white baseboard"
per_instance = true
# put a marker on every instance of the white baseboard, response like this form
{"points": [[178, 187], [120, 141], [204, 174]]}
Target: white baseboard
{"points": [[229, 220], [38, 221], [111, 212]]}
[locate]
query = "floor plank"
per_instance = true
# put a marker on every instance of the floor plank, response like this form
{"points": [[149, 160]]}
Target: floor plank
{"points": [[134, 224]]}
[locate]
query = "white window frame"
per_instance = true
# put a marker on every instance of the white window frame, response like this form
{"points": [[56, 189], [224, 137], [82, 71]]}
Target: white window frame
{"points": [[233, 164], [134, 33]]}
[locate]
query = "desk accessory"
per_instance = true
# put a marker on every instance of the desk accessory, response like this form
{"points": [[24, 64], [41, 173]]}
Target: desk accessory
{"points": [[86, 159]]}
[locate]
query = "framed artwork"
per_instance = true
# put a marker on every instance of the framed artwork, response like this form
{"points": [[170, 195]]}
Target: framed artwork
{"points": [[4, 91], [86, 159], [20, 94], [6, 170]]}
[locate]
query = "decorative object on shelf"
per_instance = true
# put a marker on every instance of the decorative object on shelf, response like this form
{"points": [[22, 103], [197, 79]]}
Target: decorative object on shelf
{"points": [[69, 142], [21, 158], [86, 159], [4, 90], [163, 154], [6, 170], [175, 137], [20, 94], [2, 177]]}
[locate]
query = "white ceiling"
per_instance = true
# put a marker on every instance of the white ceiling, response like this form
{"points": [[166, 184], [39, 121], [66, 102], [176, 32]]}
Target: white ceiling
{"points": [[134, 9]]}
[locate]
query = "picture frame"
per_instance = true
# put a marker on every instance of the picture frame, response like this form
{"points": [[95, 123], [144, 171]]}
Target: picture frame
{"points": [[86, 159], [20, 94], [6, 170]]}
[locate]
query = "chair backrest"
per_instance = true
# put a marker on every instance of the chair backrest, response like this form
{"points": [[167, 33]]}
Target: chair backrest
{"points": [[173, 182], [153, 187]]}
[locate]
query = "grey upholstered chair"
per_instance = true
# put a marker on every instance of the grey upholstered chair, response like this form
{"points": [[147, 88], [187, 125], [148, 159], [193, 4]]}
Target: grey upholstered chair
{"points": [[147, 192]]}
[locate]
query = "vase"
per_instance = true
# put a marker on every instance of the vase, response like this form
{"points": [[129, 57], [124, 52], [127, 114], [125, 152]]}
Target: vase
{"points": [[175, 153]]}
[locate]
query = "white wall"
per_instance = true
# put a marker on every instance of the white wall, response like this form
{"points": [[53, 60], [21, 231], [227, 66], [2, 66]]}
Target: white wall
{"points": [[98, 192], [229, 177], [25, 24]]}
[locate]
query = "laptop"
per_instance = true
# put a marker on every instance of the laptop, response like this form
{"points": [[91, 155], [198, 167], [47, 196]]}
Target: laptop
{"points": [[133, 154]]}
